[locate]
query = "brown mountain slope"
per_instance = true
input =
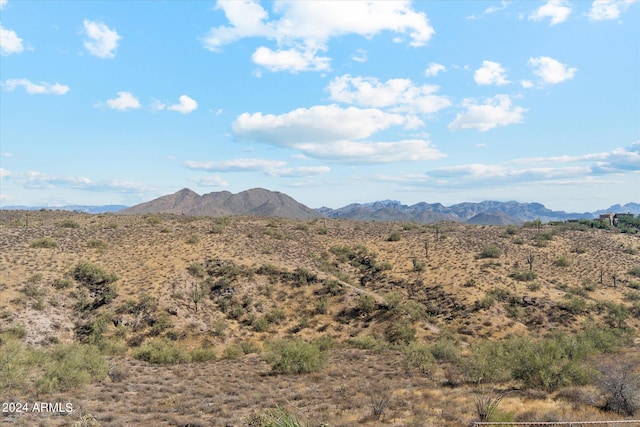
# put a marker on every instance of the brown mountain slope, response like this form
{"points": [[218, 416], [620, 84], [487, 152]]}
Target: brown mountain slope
{"points": [[256, 201]]}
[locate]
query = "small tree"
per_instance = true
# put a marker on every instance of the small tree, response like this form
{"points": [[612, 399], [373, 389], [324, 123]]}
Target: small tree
{"points": [[620, 384]]}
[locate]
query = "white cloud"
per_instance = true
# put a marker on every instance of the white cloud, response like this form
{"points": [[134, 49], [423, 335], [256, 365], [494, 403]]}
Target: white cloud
{"points": [[400, 95], [236, 165], [32, 88], [124, 101], [328, 132], [9, 42], [551, 70], [301, 171], [290, 60], [39, 180], [210, 181], [5, 154], [434, 69], [557, 170], [304, 28], [603, 10], [185, 105], [491, 73], [102, 41], [360, 56], [556, 10], [490, 10], [3, 3], [527, 84], [4, 173], [494, 112]]}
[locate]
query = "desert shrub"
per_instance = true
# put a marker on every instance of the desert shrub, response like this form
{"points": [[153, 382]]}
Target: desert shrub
{"points": [[154, 219], [491, 251], [322, 306], [15, 362], [400, 332], [44, 242], [72, 365], [524, 275], [16, 330], [97, 244], [634, 271], [202, 354], [394, 237], [249, 347], [194, 239], [161, 351], [277, 417], [574, 304], [619, 382], [62, 283], [445, 349], [368, 342], [232, 352], [295, 357], [260, 324], [68, 223], [92, 275], [366, 304], [418, 356], [415, 310], [334, 287], [562, 262], [488, 362], [418, 265], [302, 277]]}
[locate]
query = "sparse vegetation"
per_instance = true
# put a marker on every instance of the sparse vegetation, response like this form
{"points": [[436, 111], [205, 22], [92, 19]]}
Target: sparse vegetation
{"points": [[44, 242]]}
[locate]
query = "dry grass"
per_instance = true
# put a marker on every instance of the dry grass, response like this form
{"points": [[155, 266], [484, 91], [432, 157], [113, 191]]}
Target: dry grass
{"points": [[160, 260]]}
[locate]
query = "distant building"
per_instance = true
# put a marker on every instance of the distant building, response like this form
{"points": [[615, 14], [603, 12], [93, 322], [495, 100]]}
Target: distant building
{"points": [[612, 218]]}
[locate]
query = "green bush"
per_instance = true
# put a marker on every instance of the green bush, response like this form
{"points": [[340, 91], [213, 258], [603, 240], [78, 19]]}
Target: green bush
{"points": [[72, 365], [400, 332], [524, 275], [419, 356], [394, 237], [68, 223], [295, 357], [92, 275], [15, 364], [366, 304], [202, 354], [562, 262], [368, 342], [161, 351], [634, 271], [491, 251], [44, 242]]}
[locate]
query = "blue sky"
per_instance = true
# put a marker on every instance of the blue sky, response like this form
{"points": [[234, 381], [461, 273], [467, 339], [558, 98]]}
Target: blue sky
{"points": [[114, 102]]}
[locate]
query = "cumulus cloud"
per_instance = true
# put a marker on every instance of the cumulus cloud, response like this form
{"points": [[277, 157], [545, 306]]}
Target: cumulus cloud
{"points": [[3, 3], [33, 89], [9, 42], [39, 180], [491, 73], [210, 181], [551, 70], [185, 105], [101, 41], [334, 133], [303, 29], [124, 101], [557, 11], [236, 165], [290, 60], [604, 10], [400, 95], [434, 69], [4, 173], [267, 167], [360, 56], [494, 112], [527, 84], [551, 170]]}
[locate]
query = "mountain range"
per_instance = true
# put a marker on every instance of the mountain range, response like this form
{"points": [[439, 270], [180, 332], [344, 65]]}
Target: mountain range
{"points": [[262, 202]]}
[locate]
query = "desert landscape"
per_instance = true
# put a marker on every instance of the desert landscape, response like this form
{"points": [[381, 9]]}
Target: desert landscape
{"points": [[168, 319]]}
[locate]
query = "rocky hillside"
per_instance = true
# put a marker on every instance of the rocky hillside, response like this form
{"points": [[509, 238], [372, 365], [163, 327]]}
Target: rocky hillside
{"points": [[256, 202]]}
